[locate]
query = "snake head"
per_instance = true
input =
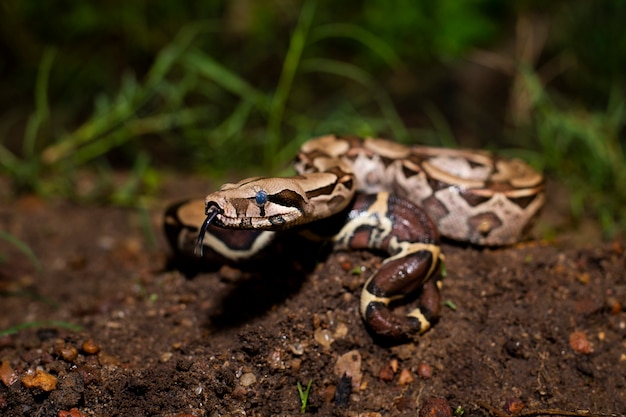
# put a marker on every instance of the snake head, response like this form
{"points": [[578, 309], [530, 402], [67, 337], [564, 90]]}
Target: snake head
{"points": [[259, 203], [276, 203]]}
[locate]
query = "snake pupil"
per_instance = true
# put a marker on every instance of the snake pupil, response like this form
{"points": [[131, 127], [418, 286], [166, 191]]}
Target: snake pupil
{"points": [[261, 197]]}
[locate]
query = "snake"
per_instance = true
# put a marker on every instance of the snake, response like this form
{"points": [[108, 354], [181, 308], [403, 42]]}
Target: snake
{"points": [[370, 194]]}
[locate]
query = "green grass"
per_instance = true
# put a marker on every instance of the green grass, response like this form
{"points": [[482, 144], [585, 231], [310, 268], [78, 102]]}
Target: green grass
{"points": [[22, 247], [39, 324], [304, 395], [191, 105], [200, 107], [584, 150]]}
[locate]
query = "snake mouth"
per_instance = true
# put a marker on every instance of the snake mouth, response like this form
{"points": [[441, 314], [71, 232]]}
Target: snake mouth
{"points": [[211, 210]]}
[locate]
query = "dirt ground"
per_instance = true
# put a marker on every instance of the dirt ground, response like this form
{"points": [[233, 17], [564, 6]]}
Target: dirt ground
{"points": [[533, 329]]}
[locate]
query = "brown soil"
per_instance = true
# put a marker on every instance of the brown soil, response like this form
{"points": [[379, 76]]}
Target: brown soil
{"points": [[538, 326]]}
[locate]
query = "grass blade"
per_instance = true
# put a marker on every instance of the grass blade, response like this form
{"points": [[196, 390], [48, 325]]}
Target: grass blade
{"points": [[22, 247], [287, 75]]}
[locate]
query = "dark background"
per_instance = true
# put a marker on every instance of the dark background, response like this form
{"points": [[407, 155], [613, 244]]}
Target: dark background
{"points": [[229, 88]]}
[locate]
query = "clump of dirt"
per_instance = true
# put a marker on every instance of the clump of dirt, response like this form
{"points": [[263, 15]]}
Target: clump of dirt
{"points": [[532, 327]]}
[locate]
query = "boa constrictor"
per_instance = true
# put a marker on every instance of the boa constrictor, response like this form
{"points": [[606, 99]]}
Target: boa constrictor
{"points": [[370, 194]]}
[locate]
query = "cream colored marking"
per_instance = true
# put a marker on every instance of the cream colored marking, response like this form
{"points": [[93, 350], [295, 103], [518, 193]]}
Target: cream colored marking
{"points": [[407, 248], [237, 255], [367, 298], [386, 148], [381, 224], [424, 323], [463, 176], [517, 173], [329, 144]]}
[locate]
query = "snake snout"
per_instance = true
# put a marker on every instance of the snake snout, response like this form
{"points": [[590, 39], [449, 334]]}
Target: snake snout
{"points": [[212, 207]]}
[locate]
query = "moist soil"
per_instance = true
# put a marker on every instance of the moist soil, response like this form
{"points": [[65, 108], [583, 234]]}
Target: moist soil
{"points": [[533, 329]]}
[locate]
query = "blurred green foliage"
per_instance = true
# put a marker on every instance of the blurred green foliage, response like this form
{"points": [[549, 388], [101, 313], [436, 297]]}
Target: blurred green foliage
{"points": [[235, 86]]}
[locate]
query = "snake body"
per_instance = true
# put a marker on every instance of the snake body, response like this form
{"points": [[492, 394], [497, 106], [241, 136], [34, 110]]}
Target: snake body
{"points": [[371, 194]]}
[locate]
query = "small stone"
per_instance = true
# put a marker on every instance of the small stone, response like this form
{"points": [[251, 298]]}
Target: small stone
{"points": [[294, 364], [424, 370], [329, 393], [349, 364], [69, 353], [324, 337], [296, 348], [40, 379], [247, 379], [435, 407], [73, 412], [239, 393], [7, 374], [276, 359], [90, 347], [386, 373], [165, 356], [514, 405], [340, 331], [579, 343], [406, 377]]}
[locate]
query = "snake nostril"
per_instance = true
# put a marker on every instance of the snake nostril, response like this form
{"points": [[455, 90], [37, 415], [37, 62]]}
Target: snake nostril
{"points": [[212, 207]]}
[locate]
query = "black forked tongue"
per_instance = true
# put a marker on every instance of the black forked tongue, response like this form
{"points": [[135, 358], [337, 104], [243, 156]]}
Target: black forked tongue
{"points": [[211, 211]]}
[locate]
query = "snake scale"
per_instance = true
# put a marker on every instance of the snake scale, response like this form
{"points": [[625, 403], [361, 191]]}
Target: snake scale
{"points": [[370, 194]]}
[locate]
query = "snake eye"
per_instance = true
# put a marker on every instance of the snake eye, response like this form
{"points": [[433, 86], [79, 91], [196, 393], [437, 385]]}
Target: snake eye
{"points": [[261, 197]]}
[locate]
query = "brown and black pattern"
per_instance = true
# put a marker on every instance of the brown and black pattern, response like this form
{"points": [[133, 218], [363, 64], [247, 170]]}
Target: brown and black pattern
{"points": [[464, 195]]}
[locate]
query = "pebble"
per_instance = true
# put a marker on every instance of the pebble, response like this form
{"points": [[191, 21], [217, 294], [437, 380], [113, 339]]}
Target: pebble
{"points": [[296, 348], [386, 373], [514, 405], [247, 379], [90, 347], [69, 353], [276, 359], [7, 374], [341, 331], [349, 364], [435, 407], [324, 337], [165, 356], [424, 370], [294, 364], [406, 377], [40, 379], [73, 412], [579, 343]]}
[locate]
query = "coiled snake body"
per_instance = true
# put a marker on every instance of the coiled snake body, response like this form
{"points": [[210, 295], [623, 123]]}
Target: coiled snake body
{"points": [[371, 194]]}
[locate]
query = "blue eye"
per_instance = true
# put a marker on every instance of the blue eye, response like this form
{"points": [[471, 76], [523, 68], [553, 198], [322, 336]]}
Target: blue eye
{"points": [[261, 197]]}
